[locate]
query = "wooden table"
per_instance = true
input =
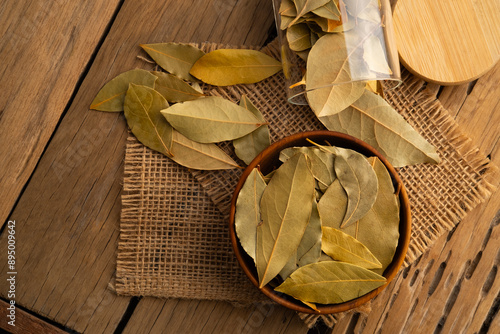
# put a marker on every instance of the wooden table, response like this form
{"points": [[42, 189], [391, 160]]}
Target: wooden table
{"points": [[62, 165]]}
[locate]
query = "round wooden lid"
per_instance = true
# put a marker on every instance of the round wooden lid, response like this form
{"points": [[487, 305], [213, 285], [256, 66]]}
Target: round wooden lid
{"points": [[448, 42]]}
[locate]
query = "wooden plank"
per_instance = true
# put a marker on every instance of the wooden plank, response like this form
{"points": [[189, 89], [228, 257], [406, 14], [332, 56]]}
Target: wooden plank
{"points": [[44, 48], [21, 322], [69, 213]]}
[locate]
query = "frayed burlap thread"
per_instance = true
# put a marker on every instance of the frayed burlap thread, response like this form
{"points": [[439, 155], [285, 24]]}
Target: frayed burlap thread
{"points": [[174, 239]]}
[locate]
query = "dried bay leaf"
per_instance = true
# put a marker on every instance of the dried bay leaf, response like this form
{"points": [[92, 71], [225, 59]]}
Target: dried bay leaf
{"points": [[374, 121], [283, 222], [174, 89], [322, 163], [142, 108], [330, 282], [359, 181], [211, 119], [330, 10], [191, 154], [174, 58], [226, 67], [287, 8], [364, 9], [112, 94], [247, 215], [343, 247], [299, 37], [375, 86], [305, 6], [375, 56], [378, 230], [328, 76], [250, 145], [333, 205]]}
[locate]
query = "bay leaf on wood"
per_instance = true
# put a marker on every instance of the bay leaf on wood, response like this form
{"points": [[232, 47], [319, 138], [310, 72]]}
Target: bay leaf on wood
{"points": [[359, 181], [343, 247], [328, 78], [112, 94], [250, 145], [247, 214], [330, 10], [226, 67], [191, 154], [299, 37], [175, 58], [330, 282], [142, 108], [174, 89], [378, 230], [211, 119], [322, 163], [374, 121], [283, 221], [333, 205], [305, 6]]}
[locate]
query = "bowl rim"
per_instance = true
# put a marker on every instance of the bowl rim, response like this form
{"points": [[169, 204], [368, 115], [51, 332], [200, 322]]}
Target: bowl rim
{"points": [[404, 224]]}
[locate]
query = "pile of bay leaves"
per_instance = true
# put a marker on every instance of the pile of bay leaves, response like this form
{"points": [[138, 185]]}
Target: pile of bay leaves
{"points": [[326, 221], [169, 113]]}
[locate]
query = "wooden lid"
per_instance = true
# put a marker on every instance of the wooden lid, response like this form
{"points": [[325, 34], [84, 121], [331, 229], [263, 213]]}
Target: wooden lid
{"points": [[448, 42]]}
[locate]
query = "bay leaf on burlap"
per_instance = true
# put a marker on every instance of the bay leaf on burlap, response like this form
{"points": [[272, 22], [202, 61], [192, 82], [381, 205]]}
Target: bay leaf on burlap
{"points": [[330, 282], [211, 119], [283, 222], [330, 10], [250, 145], [174, 89], [378, 230], [309, 249], [359, 181], [112, 95], [343, 247], [328, 77], [247, 214], [322, 163], [225, 67], [175, 58], [299, 37], [374, 121], [142, 108], [375, 56], [333, 205], [305, 6], [192, 154]]}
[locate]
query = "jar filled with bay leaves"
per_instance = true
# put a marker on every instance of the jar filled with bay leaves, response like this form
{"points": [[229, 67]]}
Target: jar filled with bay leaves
{"points": [[320, 222], [331, 48]]}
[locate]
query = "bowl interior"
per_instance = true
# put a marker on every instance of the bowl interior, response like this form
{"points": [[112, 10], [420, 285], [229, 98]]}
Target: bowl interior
{"points": [[267, 161]]}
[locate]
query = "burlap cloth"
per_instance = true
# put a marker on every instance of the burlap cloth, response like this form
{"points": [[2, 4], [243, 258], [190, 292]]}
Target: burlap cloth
{"points": [[174, 225]]}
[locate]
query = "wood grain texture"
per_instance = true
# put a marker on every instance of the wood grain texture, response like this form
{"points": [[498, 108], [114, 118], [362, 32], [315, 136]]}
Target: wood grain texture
{"points": [[448, 42], [69, 213], [44, 48]]}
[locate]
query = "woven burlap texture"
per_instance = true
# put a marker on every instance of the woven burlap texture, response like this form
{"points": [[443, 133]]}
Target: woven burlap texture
{"points": [[174, 224]]}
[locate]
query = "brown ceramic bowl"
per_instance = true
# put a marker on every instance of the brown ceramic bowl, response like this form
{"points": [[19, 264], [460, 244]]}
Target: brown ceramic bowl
{"points": [[268, 160]]}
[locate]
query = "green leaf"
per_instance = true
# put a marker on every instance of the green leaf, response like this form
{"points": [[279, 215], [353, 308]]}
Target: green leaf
{"points": [[328, 77], [359, 181], [196, 155], [227, 67], [299, 37], [142, 110], [378, 230], [342, 247], [374, 121], [112, 94], [250, 145], [283, 221], [333, 205], [211, 119], [174, 89], [174, 58], [247, 215], [321, 163], [330, 282]]}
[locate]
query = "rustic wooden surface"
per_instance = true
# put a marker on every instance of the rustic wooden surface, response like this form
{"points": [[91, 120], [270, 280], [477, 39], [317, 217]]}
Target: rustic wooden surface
{"points": [[61, 171]]}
